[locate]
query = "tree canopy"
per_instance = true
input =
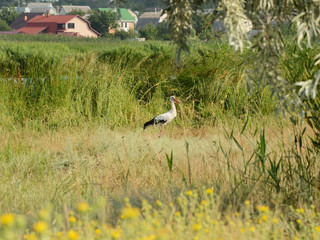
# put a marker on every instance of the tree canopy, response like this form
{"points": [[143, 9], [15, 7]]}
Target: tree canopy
{"points": [[102, 21], [269, 15], [8, 14]]}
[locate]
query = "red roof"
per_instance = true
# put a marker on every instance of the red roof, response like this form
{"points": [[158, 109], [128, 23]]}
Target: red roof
{"points": [[52, 19], [51, 23], [31, 30]]}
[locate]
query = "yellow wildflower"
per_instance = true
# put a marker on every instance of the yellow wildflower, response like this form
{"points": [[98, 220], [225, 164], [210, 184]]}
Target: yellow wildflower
{"points": [[209, 191], [242, 230], [73, 235], [83, 207], [236, 214], [264, 209], [178, 214], [275, 220], [298, 221], [318, 228], [115, 233], [197, 227], [264, 218], [7, 219], [30, 236], [206, 231], [59, 234], [171, 204], [151, 237], [189, 193], [204, 202], [129, 213], [247, 203], [98, 231], [214, 222], [72, 219], [156, 222], [252, 229], [40, 227], [300, 210]]}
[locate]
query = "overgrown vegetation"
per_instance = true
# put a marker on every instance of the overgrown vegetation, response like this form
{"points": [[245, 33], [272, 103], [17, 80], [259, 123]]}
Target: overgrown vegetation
{"points": [[71, 115], [66, 84]]}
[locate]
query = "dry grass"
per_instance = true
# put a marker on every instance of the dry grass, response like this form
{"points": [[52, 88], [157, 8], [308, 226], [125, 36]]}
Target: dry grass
{"points": [[64, 167]]}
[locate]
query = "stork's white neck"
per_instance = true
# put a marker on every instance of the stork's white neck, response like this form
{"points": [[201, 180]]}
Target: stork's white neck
{"points": [[173, 108]]}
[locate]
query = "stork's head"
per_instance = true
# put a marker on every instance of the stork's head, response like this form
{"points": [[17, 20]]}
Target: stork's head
{"points": [[173, 98]]}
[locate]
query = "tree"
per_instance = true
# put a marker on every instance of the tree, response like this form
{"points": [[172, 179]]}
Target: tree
{"points": [[149, 32], [269, 44], [123, 35], [8, 14], [77, 12], [103, 21], [163, 32], [4, 26]]}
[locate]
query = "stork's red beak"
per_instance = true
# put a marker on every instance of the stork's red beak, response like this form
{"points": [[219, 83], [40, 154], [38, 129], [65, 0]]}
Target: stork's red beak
{"points": [[176, 100]]}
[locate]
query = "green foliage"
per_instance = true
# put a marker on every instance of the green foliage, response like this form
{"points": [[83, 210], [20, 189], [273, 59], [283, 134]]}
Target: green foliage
{"points": [[269, 43], [4, 26], [77, 12], [103, 21], [200, 22], [149, 32], [163, 32], [8, 14], [207, 34], [77, 79], [123, 35]]}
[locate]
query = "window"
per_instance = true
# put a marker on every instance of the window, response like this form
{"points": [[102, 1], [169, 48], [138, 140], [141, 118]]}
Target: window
{"points": [[125, 25], [122, 24], [61, 26], [70, 25]]}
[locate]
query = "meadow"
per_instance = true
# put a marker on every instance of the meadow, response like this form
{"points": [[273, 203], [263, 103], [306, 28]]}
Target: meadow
{"points": [[76, 164]]}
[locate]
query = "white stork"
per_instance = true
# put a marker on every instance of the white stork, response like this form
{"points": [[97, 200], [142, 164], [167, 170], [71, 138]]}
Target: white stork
{"points": [[164, 118]]}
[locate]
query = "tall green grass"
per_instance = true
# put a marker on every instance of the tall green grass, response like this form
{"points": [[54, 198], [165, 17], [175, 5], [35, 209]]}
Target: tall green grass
{"points": [[67, 83]]}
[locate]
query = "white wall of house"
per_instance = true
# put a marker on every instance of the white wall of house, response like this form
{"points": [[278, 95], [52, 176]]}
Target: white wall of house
{"points": [[81, 27]]}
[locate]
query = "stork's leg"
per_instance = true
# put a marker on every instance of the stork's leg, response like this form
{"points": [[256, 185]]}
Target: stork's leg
{"points": [[161, 131]]}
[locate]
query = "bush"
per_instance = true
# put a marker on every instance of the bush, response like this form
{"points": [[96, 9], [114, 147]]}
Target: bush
{"points": [[123, 35]]}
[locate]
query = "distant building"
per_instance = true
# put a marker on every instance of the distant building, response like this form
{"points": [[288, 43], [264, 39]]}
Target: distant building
{"points": [[22, 9], [127, 19], [72, 25], [41, 8], [218, 25], [150, 17], [21, 21], [65, 10]]}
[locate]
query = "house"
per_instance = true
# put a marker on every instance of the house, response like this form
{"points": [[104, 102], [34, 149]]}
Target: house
{"points": [[127, 19], [21, 9], [65, 10], [21, 21], [150, 17], [72, 25], [218, 25], [41, 8]]}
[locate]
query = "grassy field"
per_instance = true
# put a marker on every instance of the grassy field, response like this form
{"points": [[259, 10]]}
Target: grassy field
{"points": [[76, 164]]}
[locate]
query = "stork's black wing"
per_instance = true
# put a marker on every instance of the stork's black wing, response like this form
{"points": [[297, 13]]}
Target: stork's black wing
{"points": [[154, 121]]}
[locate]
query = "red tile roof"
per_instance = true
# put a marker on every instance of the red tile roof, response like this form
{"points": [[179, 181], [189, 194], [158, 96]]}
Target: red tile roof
{"points": [[31, 30], [52, 19], [51, 23]]}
